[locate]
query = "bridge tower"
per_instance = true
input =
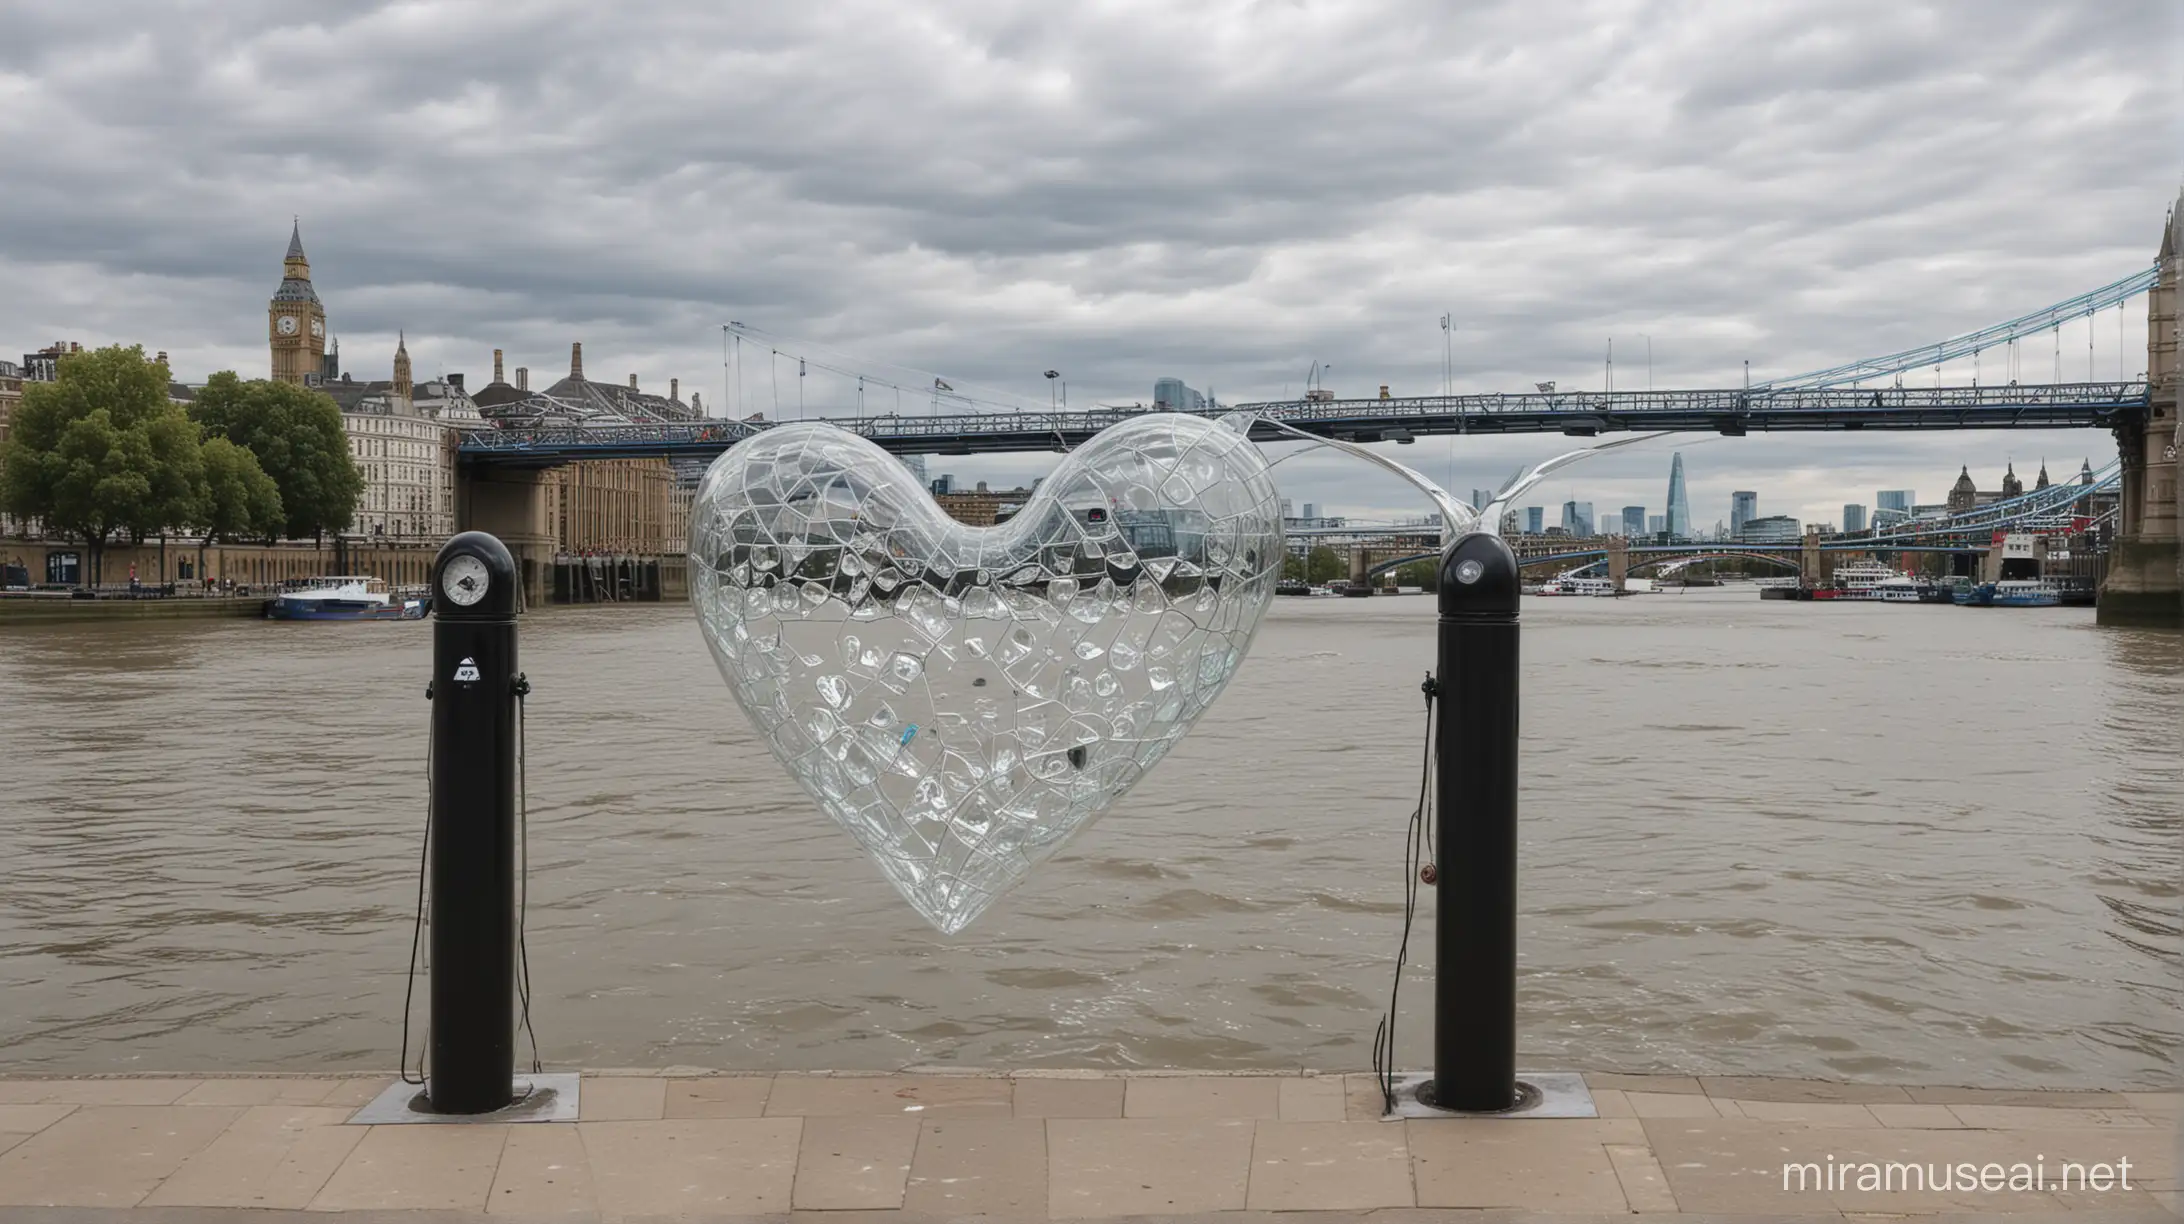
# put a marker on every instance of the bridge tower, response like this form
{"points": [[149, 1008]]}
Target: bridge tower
{"points": [[2144, 585]]}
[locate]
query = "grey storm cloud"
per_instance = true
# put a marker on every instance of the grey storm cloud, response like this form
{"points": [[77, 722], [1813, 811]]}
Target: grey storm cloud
{"points": [[1224, 192]]}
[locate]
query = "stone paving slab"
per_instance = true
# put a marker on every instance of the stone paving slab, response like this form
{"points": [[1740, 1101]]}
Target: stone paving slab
{"points": [[975, 1144]]}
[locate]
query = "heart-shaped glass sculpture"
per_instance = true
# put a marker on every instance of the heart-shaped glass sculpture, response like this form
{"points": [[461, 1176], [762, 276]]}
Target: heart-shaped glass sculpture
{"points": [[964, 699]]}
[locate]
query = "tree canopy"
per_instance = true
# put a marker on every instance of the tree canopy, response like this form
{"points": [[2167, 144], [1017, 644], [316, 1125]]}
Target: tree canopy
{"points": [[296, 435], [101, 450], [238, 500]]}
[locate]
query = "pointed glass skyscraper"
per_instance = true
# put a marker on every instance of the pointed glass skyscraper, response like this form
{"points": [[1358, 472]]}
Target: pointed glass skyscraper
{"points": [[1679, 502]]}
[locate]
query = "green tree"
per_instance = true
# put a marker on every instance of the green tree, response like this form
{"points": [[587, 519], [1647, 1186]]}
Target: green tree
{"points": [[1423, 574], [102, 450], [296, 434], [1324, 565], [236, 499]]}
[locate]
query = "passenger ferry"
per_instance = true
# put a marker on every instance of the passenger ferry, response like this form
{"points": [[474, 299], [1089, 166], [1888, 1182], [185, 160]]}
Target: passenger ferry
{"points": [[2011, 593], [1578, 586], [1860, 579], [341, 598]]}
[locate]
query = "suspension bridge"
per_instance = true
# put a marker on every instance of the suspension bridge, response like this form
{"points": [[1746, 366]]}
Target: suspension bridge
{"points": [[1868, 394]]}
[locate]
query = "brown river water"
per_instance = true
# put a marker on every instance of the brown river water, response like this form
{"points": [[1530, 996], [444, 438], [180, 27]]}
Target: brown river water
{"points": [[1892, 843]]}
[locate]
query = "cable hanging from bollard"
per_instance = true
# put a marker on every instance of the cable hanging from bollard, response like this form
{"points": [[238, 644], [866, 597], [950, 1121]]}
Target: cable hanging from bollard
{"points": [[417, 932], [1417, 869], [522, 687]]}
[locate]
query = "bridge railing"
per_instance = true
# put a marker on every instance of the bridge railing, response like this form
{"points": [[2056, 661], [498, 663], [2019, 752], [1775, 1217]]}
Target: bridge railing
{"points": [[1816, 399], [2043, 403], [678, 434]]}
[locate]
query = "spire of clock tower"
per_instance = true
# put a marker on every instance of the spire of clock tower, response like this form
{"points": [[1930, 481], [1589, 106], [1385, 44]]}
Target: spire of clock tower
{"points": [[402, 385], [295, 320]]}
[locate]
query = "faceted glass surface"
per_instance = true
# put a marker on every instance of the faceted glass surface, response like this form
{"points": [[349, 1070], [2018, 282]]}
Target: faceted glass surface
{"points": [[963, 700]]}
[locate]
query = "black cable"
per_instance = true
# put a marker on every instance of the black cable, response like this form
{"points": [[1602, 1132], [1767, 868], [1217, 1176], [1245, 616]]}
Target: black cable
{"points": [[523, 877], [424, 856], [1418, 837]]}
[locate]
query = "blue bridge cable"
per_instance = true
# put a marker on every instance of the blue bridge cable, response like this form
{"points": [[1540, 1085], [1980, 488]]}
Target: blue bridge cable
{"points": [[2084, 305]]}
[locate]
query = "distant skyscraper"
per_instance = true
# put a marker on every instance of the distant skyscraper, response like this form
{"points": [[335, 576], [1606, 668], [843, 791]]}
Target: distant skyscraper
{"points": [[1853, 517], [1577, 518], [1679, 502], [1634, 520], [1656, 524], [1311, 510], [944, 483], [1775, 529], [1743, 508], [916, 464], [1170, 395], [1479, 498], [1289, 508], [1535, 519], [1895, 499]]}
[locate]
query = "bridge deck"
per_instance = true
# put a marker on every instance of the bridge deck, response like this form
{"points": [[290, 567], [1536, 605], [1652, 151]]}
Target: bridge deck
{"points": [[2087, 405]]}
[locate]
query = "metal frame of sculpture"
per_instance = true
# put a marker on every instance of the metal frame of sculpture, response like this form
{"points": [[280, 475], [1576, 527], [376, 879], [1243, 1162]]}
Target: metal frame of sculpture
{"points": [[962, 700]]}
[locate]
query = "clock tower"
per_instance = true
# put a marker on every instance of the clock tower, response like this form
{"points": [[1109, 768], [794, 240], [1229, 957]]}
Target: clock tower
{"points": [[295, 322]]}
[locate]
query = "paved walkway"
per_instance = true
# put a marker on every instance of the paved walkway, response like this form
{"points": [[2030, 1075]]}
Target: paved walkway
{"points": [[1050, 1144]]}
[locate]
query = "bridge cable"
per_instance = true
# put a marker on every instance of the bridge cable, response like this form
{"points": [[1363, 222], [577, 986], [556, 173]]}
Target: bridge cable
{"points": [[1416, 869]]}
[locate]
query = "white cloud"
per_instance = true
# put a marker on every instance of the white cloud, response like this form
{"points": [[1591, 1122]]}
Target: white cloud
{"points": [[1223, 192]]}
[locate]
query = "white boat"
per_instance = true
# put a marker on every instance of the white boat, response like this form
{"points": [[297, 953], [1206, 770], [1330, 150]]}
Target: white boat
{"points": [[1578, 586], [1858, 580], [1899, 589], [341, 598], [2027, 593]]}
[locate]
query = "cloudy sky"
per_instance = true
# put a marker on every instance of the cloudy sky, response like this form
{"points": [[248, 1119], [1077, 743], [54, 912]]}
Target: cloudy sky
{"points": [[1223, 192]]}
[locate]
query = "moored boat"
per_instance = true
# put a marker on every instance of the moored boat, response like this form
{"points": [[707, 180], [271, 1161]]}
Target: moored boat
{"points": [[2011, 593], [2027, 593], [341, 598], [1598, 587], [1863, 579]]}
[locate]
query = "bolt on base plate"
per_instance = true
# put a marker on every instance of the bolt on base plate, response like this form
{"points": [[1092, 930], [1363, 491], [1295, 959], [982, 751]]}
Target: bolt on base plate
{"points": [[1540, 1094], [539, 1098]]}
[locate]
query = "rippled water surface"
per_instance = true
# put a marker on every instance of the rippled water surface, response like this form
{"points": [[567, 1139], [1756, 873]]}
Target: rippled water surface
{"points": [[1892, 843]]}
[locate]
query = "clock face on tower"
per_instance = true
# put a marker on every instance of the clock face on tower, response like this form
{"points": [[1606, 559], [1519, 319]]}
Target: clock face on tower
{"points": [[288, 325], [318, 329]]}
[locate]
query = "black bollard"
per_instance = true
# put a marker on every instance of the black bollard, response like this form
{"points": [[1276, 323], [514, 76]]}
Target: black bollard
{"points": [[1475, 779], [473, 826]]}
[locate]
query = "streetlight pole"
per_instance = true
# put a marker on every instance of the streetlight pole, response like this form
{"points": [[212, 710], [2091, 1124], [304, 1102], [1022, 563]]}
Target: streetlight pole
{"points": [[1051, 375], [1611, 365], [1448, 356], [1649, 361]]}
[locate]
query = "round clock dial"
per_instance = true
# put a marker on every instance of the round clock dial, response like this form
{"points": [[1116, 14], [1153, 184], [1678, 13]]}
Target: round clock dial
{"points": [[464, 580], [288, 325], [318, 328]]}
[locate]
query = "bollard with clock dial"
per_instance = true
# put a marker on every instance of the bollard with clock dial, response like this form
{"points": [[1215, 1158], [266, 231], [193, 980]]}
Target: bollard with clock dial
{"points": [[1475, 784], [473, 826]]}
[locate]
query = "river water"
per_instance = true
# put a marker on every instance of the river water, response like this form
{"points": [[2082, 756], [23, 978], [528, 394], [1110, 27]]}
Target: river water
{"points": [[1875, 842]]}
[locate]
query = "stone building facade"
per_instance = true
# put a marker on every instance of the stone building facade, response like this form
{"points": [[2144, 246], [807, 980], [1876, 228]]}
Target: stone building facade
{"points": [[607, 507]]}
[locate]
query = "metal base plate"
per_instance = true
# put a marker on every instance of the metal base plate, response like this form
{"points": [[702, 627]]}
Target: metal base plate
{"points": [[1555, 1094], [539, 1098]]}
